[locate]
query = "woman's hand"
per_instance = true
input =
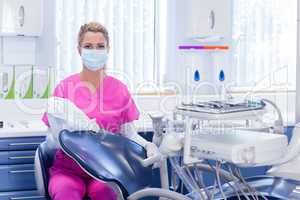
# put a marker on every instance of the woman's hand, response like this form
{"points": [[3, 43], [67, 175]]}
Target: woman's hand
{"points": [[151, 149], [152, 152], [128, 130]]}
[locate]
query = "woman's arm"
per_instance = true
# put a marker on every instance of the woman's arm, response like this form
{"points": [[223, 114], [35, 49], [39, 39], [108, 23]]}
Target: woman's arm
{"points": [[63, 114], [129, 130]]}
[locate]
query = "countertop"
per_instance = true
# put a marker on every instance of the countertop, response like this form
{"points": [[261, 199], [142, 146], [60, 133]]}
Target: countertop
{"points": [[35, 128]]}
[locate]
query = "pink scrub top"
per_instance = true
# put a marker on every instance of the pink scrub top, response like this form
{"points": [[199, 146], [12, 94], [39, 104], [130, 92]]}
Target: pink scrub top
{"points": [[111, 104]]}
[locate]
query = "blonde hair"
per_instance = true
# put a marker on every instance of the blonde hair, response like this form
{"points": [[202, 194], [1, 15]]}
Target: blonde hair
{"points": [[94, 27]]}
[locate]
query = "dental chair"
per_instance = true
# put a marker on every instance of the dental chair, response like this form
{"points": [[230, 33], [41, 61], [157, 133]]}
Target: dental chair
{"points": [[44, 157], [106, 157]]}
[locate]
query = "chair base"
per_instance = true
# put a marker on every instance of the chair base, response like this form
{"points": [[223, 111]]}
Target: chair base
{"points": [[268, 186]]}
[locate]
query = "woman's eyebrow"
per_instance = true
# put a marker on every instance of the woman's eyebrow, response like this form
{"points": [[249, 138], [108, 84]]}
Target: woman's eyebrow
{"points": [[102, 44], [95, 43]]}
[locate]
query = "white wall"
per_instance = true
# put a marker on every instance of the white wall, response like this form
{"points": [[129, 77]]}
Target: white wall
{"points": [[45, 51], [297, 113]]}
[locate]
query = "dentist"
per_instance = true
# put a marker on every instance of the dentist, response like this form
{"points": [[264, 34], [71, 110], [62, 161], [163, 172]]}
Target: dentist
{"points": [[103, 99]]}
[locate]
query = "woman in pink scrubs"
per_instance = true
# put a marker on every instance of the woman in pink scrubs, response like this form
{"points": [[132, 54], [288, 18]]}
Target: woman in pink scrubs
{"points": [[101, 97]]}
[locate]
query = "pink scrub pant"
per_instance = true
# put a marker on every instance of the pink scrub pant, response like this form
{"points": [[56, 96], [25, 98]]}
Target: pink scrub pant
{"points": [[69, 182]]}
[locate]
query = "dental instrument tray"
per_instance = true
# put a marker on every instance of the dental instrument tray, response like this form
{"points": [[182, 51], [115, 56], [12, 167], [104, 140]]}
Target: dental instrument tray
{"points": [[222, 107]]}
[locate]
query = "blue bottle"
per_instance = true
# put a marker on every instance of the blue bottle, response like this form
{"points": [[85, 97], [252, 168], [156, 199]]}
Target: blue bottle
{"points": [[222, 89], [221, 76], [197, 76]]}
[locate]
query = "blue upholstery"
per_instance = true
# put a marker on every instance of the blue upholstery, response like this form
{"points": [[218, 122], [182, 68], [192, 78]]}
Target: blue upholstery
{"points": [[45, 156], [108, 157]]}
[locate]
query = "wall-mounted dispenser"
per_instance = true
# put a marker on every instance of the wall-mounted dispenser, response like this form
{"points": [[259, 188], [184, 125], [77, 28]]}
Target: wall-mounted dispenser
{"points": [[24, 82], [42, 82], [7, 82], [4, 82], [21, 17]]}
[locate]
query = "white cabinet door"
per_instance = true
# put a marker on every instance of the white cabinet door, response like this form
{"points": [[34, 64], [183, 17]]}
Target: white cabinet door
{"points": [[30, 19], [222, 17], [208, 18], [21, 17], [1, 54], [19, 50], [8, 17]]}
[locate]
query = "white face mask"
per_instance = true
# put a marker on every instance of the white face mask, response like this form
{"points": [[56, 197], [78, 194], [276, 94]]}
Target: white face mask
{"points": [[94, 59]]}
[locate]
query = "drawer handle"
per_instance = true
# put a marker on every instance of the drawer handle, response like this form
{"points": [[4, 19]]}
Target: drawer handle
{"points": [[25, 144], [21, 171], [28, 197], [20, 157]]}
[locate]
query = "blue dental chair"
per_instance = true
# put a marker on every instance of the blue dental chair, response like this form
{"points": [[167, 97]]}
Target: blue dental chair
{"points": [[44, 157], [115, 159], [107, 157]]}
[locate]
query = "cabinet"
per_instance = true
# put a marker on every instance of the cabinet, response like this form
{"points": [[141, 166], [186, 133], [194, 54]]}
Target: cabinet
{"points": [[208, 18], [17, 168], [21, 17]]}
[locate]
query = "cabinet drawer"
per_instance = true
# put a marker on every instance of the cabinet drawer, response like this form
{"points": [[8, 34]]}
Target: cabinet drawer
{"points": [[17, 177], [16, 157], [26, 143], [21, 195]]}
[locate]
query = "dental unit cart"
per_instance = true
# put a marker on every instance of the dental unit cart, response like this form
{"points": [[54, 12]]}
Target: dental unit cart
{"points": [[219, 131], [230, 144]]}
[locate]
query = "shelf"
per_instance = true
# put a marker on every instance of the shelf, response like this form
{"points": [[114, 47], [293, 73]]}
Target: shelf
{"points": [[203, 47]]}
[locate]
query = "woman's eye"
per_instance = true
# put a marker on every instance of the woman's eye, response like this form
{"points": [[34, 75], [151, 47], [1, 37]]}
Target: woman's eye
{"points": [[87, 47], [100, 47]]}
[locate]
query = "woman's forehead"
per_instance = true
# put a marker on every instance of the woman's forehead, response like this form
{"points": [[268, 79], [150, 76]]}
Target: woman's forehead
{"points": [[93, 37]]}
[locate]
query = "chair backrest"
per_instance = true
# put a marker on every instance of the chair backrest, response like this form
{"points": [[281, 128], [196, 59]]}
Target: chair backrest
{"points": [[43, 161], [108, 157]]}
